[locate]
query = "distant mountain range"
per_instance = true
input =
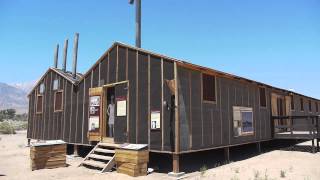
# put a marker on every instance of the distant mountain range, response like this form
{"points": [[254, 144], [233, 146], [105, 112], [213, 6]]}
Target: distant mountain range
{"points": [[14, 96]]}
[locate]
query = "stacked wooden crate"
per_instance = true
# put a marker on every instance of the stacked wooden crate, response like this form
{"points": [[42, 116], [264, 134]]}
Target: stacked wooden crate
{"points": [[47, 155], [132, 162]]}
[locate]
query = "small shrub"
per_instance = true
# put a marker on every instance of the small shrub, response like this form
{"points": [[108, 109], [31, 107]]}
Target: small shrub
{"points": [[203, 170], [266, 176], [235, 178], [7, 128], [237, 170], [256, 175], [282, 173]]}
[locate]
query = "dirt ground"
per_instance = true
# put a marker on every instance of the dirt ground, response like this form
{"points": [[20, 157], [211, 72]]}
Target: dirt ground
{"points": [[15, 165]]}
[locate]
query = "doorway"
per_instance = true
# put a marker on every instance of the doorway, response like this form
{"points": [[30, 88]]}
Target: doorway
{"points": [[119, 93], [279, 108], [109, 95]]}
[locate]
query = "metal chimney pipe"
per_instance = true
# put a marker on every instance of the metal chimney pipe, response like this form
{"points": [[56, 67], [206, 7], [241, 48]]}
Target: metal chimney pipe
{"points": [[56, 53], [138, 23], [75, 56], [65, 51]]}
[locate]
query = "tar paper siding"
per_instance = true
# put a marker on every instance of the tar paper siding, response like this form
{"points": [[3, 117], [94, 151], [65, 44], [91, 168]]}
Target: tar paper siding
{"points": [[146, 74], [206, 125]]}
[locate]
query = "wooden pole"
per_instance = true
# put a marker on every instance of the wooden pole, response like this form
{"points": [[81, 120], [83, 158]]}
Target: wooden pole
{"points": [[75, 150], [313, 148], [56, 56], [75, 55], [175, 163], [65, 51], [259, 147], [138, 23], [227, 154]]}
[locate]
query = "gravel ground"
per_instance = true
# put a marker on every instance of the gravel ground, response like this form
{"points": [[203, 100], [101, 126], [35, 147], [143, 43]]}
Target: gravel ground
{"points": [[15, 165]]}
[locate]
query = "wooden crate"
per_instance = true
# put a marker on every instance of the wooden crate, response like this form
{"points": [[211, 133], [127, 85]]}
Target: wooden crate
{"points": [[47, 155], [131, 162], [132, 169]]}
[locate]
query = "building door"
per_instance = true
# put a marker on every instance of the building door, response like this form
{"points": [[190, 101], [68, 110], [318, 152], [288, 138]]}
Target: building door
{"points": [[121, 112], [278, 108], [108, 104]]}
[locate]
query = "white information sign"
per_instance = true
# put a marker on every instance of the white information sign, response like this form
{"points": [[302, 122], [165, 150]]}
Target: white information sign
{"points": [[121, 108], [93, 123], [155, 120]]}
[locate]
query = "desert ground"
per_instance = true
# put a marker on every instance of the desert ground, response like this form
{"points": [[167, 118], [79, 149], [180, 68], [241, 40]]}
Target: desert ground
{"points": [[275, 164]]}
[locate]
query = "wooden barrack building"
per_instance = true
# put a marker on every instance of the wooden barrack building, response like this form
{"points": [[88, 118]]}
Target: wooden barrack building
{"points": [[173, 106]]}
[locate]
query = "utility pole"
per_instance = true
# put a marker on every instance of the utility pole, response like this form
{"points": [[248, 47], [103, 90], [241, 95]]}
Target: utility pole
{"points": [[138, 21]]}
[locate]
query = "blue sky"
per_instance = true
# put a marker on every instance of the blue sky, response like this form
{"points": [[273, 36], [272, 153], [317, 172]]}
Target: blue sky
{"points": [[272, 41]]}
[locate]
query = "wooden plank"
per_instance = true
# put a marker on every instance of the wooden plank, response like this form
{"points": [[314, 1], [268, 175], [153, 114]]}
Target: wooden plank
{"points": [[107, 151], [96, 156], [177, 122], [132, 152], [94, 164]]}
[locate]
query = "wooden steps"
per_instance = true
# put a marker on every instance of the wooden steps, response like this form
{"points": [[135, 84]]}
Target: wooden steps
{"points": [[97, 164], [101, 157], [105, 150]]}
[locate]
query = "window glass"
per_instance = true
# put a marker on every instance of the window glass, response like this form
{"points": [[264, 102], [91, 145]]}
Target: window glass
{"points": [[242, 121], [263, 100], [56, 84], [292, 102], [42, 88], [209, 87], [310, 106], [301, 104], [39, 103], [58, 102]]}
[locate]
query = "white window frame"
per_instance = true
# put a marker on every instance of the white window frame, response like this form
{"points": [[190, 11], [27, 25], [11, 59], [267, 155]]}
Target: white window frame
{"points": [[237, 121]]}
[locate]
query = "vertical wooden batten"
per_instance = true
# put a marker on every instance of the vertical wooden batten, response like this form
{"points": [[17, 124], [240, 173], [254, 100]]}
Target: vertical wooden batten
{"points": [[77, 110], [70, 125], [176, 158], [65, 108], [190, 111], [162, 113], [83, 109], [117, 64], [44, 110], [201, 110], [99, 83], [137, 97], [128, 94], [220, 112], [149, 115], [108, 69], [50, 103]]}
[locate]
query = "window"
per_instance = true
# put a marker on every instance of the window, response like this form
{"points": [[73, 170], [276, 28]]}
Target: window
{"points": [[58, 101], [42, 88], [209, 87], [301, 104], [56, 84], [263, 99], [39, 104], [242, 121], [310, 106], [317, 107], [292, 102]]}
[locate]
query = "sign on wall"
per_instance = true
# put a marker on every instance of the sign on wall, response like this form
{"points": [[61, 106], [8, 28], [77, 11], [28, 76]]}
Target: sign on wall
{"points": [[155, 120], [121, 106], [94, 113]]}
